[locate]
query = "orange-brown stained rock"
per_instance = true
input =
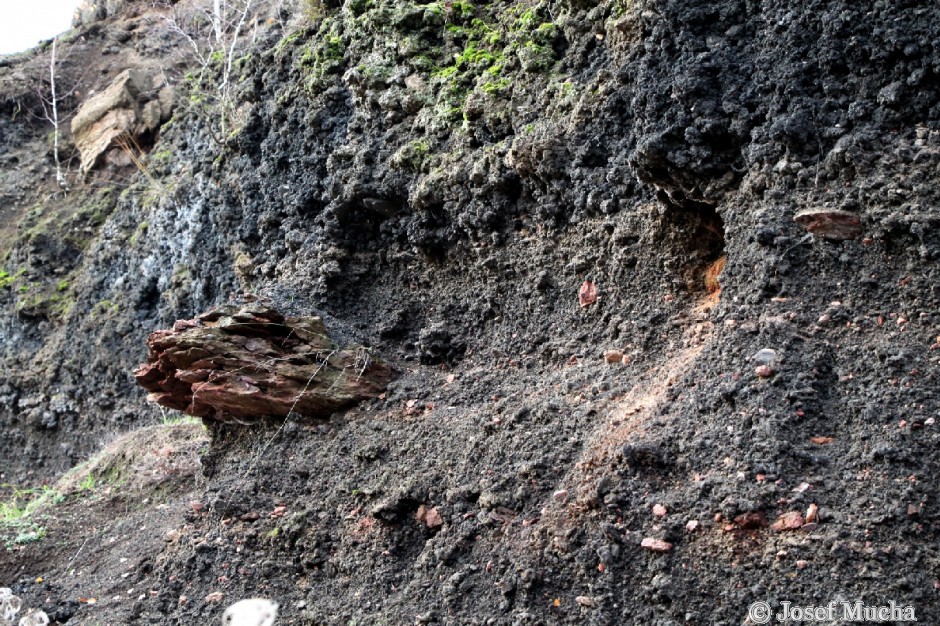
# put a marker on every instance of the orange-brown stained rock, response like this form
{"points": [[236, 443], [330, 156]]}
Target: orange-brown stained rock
{"points": [[243, 363]]}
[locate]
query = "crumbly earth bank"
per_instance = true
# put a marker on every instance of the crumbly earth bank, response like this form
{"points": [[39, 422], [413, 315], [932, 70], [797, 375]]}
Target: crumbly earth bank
{"points": [[437, 181]]}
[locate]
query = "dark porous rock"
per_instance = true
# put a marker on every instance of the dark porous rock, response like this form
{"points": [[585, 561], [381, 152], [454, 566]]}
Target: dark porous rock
{"points": [[242, 363], [830, 223]]}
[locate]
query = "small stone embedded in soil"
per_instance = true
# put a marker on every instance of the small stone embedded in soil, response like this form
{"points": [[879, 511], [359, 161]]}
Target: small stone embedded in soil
{"points": [[587, 294], [659, 510], [812, 513], [585, 601], [830, 223], [560, 496], [430, 517], [656, 545], [764, 371], [692, 525], [614, 356], [215, 596], [791, 520]]}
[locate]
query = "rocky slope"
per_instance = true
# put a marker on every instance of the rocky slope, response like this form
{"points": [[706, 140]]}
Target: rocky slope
{"points": [[437, 181]]}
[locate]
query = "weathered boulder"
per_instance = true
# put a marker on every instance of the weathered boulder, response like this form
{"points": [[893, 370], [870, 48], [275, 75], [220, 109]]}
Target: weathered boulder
{"points": [[243, 363], [131, 107]]}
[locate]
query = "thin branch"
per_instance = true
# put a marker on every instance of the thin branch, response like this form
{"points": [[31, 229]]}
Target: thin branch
{"points": [[217, 19], [59, 178], [231, 50]]}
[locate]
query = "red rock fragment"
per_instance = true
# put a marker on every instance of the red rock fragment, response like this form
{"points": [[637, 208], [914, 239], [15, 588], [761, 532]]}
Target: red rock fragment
{"points": [[791, 520], [656, 545], [613, 356], [764, 371], [812, 513], [587, 295], [659, 510], [430, 517]]}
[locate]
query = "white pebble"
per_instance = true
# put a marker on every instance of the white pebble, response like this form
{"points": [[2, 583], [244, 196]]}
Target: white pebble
{"points": [[251, 612]]}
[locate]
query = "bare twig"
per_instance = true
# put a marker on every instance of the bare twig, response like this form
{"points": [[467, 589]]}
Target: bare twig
{"points": [[59, 178], [217, 19], [231, 50]]}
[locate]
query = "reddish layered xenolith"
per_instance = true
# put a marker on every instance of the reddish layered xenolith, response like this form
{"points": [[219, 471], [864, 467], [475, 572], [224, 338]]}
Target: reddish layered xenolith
{"points": [[243, 363]]}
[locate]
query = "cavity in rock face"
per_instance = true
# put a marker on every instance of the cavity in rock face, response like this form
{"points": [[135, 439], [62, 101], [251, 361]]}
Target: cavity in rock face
{"points": [[242, 363]]}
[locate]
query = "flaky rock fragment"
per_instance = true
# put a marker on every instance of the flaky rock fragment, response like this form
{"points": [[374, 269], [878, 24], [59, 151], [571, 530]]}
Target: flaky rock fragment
{"points": [[242, 363], [830, 223]]}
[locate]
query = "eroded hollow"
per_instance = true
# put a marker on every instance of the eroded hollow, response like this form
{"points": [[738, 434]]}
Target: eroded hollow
{"points": [[698, 233]]}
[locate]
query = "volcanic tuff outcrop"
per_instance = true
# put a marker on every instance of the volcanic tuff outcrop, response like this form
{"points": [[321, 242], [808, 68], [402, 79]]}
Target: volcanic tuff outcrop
{"points": [[242, 363], [126, 113]]}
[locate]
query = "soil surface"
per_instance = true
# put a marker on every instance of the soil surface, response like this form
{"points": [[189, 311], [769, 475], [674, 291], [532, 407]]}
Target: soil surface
{"points": [[747, 411]]}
